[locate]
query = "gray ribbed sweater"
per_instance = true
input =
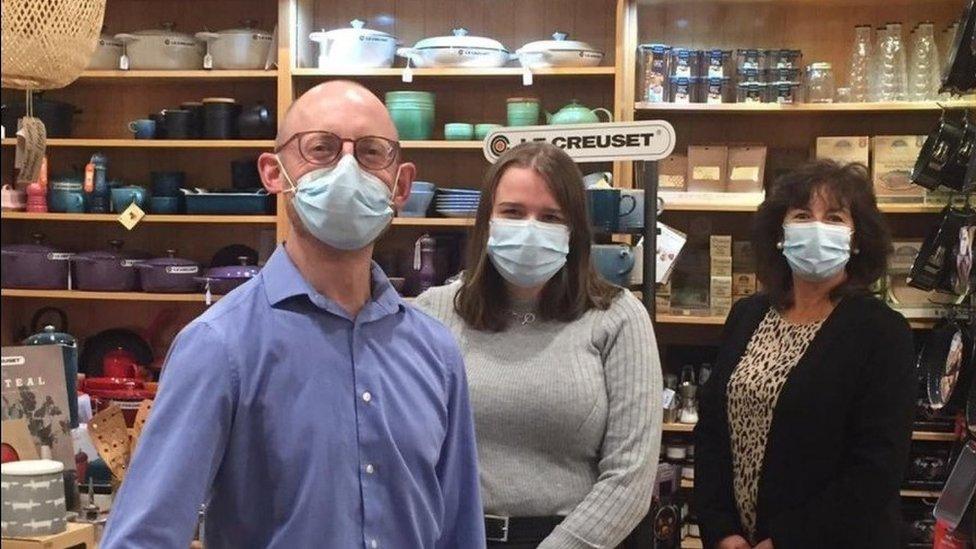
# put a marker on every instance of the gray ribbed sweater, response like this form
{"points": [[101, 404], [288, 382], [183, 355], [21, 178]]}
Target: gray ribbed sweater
{"points": [[567, 415]]}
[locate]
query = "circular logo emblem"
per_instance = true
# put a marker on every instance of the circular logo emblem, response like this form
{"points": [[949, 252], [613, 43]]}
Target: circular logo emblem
{"points": [[362, 37], [498, 145], [166, 41]]}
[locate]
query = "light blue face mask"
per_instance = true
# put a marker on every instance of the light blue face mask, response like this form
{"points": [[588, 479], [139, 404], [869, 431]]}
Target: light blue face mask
{"points": [[343, 205], [527, 252], [816, 251]]}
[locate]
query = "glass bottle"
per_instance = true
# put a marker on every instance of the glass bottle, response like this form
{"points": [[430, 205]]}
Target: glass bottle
{"points": [[427, 273], [924, 67], [877, 69], [858, 77], [900, 60]]}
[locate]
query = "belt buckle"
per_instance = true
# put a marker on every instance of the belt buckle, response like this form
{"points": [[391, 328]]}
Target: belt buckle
{"points": [[504, 528]]}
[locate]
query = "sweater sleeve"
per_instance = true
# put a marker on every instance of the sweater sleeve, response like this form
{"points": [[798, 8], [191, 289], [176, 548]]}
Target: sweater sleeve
{"points": [[874, 462], [628, 462], [714, 497]]}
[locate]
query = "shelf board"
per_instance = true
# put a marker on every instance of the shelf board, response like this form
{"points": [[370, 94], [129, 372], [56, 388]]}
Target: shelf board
{"points": [[758, 108], [682, 201], [691, 320], [155, 143], [691, 543], [930, 436], [117, 76], [433, 221], [432, 144], [690, 484], [456, 72], [678, 427], [104, 296], [150, 218]]}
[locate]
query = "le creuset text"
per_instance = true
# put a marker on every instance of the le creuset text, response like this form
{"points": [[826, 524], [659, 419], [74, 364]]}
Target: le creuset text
{"points": [[618, 140]]}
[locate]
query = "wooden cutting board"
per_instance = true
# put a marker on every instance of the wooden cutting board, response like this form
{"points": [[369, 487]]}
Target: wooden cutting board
{"points": [[108, 432], [141, 416]]}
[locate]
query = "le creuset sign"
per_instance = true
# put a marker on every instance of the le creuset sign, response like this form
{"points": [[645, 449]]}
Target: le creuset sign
{"points": [[604, 142]]}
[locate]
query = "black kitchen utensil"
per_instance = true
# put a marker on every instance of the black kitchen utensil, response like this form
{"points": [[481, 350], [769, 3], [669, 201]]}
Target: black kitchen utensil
{"points": [[177, 123], [57, 116], [946, 356], [960, 72], [935, 261], [945, 154]]}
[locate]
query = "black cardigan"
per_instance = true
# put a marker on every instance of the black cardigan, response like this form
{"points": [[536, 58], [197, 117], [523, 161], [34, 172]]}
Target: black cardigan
{"points": [[839, 439]]}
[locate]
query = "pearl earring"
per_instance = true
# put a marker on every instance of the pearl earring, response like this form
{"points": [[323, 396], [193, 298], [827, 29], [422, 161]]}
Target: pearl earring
{"points": [[779, 245]]}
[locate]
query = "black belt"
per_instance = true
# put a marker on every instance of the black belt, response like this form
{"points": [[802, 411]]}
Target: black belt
{"points": [[519, 529]]}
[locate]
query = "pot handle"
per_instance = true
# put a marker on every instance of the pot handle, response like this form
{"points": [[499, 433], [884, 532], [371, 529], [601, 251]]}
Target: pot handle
{"points": [[141, 265], [604, 111], [207, 36], [80, 259], [125, 37], [412, 54]]}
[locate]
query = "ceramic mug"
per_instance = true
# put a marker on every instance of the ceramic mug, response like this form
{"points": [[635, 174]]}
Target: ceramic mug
{"points": [[614, 262], [523, 111], [458, 131], [631, 215], [481, 131], [604, 208], [414, 122], [122, 197], [64, 200], [143, 128]]}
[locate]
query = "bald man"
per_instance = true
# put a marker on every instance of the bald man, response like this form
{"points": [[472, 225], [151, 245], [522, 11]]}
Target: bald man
{"points": [[311, 408]]}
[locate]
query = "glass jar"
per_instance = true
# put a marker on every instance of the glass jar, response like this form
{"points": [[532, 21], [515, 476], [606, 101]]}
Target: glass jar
{"points": [[785, 59], [820, 83], [751, 92], [682, 90], [750, 59], [751, 75], [655, 63], [717, 90], [685, 63], [784, 93], [717, 63]]}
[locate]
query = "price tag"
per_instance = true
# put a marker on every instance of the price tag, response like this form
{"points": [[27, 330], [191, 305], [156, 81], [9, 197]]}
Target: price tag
{"points": [[208, 61], [407, 73], [416, 254], [526, 77], [131, 216], [124, 62], [89, 178], [667, 398]]}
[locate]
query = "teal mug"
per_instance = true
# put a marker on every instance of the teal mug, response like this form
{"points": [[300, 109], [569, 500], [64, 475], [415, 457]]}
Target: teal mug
{"points": [[481, 131], [414, 122], [66, 200], [458, 131], [605, 208], [523, 111], [122, 197], [614, 262]]}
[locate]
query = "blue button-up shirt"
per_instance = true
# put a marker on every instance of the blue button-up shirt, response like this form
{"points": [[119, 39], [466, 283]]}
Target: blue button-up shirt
{"points": [[306, 427]]}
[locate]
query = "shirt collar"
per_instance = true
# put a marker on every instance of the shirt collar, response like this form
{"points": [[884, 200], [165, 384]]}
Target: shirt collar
{"points": [[282, 280]]}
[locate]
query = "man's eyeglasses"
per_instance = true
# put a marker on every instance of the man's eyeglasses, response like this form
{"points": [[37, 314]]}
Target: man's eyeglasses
{"points": [[323, 148]]}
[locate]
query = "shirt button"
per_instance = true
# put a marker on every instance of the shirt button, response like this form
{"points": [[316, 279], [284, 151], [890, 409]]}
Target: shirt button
{"points": [[370, 469], [373, 543], [367, 396]]}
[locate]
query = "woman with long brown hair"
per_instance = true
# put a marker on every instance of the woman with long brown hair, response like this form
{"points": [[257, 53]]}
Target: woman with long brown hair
{"points": [[563, 368]]}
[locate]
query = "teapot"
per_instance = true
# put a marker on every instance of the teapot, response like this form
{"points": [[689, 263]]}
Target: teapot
{"points": [[575, 113]]}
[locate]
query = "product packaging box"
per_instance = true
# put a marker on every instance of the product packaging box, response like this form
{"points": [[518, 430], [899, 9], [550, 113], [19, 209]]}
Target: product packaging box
{"points": [[720, 245], [671, 172], [721, 265], [743, 258], [844, 150], [743, 284], [721, 287], [708, 168], [746, 169], [893, 158]]}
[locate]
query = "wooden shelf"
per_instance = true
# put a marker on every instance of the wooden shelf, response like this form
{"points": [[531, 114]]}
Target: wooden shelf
{"points": [[678, 427], [691, 543], [155, 143], [198, 75], [457, 72], [689, 319], [104, 296], [758, 108], [690, 484], [433, 221], [471, 145], [680, 201], [929, 436], [150, 218]]}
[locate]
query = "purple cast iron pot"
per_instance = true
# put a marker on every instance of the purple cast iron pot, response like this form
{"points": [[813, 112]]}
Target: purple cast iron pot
{"points": [[34, 266], [221, 280], [169, 274], [109, 270]]}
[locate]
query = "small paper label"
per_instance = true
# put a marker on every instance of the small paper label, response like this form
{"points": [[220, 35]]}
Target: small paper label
{"points": [[182, 269], [130, 262], [715, 71], [131, 216], [682, 71], [706, 173], [124, 63], [60, 256], [745, 173], [208, 61], [526, 77], [407, 73], [667, 398]]}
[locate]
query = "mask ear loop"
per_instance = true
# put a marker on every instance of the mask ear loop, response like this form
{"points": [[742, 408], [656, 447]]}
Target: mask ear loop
{"points": [[284, 172], [396, 183]]}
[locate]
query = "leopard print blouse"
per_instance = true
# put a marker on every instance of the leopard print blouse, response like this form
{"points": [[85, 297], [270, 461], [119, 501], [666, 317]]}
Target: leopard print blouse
{"points": [[754, 387]]}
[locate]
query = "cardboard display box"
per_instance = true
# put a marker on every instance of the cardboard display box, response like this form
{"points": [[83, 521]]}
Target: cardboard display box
{"points": [[708, 168], [671, 172], [746, 169], [844, 150], [720, 245], [893, 158]]}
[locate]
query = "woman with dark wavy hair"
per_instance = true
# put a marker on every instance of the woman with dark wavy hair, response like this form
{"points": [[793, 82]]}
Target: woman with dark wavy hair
{"points": [[563, 369], [805, 425]]}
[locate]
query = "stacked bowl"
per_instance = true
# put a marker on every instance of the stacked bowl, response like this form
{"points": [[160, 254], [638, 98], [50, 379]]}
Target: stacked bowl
{"points": [[412, 113], [421, 195], [457, 202]]}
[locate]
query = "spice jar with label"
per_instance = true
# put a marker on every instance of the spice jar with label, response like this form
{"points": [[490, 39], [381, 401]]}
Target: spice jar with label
{"points": [[682, 90], [685, 63], [655, 67], [717, 63], [751, 92], [820, 83], [718, 90]]}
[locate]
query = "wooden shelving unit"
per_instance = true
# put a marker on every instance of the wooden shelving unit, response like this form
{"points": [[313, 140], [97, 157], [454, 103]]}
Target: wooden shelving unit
{"points": [[917, 435], [149, 218], [749, 202], [691, 543], [116, 77], [691, 320], [927, 494], [104, 296], [154, 143], [433, 221]]}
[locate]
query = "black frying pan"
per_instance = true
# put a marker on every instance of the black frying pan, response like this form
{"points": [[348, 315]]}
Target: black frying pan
{"points": [[946, 357], [960, 73]]}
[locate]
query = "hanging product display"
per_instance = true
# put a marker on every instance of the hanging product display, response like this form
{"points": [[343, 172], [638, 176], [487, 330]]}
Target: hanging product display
{"points": [[960, 72], [946, 154]]}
